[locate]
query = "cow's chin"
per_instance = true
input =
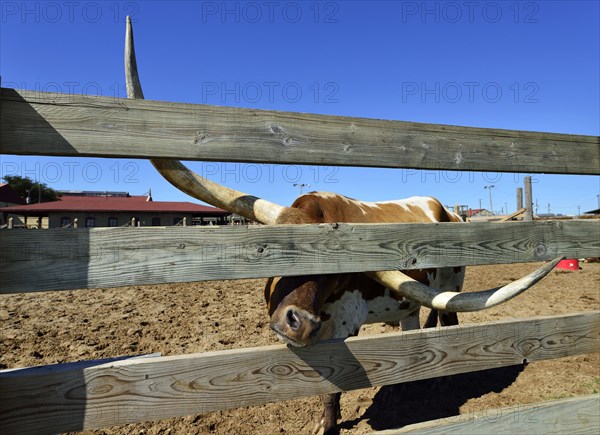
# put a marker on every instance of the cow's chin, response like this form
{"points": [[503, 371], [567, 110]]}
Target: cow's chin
{"points": [[325, 333], [290, 341]]}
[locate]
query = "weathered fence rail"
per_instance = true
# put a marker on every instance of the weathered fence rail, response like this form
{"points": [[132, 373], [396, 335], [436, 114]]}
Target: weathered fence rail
{"points": [[93, 395], [86, 396], [39, 123], [575, 415], [109, 257]]}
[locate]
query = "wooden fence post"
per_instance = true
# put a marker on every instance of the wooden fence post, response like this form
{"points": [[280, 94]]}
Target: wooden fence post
{"points": [[528, 200]]}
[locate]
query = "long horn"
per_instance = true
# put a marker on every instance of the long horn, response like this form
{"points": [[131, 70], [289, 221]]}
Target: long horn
{"points": [[455, 301], [188, 181]]}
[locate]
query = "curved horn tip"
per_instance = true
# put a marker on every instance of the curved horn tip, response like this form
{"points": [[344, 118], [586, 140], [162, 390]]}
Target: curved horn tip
{"points": [[187, 181], [456, 301], [557, 259]]}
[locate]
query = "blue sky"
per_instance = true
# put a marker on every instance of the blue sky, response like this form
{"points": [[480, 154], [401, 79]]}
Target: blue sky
{"points": [[514, 65]]}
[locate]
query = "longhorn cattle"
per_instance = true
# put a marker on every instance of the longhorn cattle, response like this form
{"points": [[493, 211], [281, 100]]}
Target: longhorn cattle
{"points": [[306, 309]]}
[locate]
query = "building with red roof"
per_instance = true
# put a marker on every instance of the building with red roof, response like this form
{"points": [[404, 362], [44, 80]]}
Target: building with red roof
{"points": [[8, 196], [113, 209]]}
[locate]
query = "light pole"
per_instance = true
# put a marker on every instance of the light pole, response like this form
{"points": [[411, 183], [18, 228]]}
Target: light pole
{"points": [[490, 187], [301, 186]]}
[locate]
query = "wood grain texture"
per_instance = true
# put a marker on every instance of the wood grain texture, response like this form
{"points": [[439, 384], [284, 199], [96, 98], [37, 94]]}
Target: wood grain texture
{"points": [[153, 388], [576, 415], [38, 123], [70, 258]]}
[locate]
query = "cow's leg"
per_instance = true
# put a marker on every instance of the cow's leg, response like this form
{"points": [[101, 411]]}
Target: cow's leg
{"points": [[448, 319], [446, 279], [445, 318], [411, 321], [331, 414], [432, 319], [346, 319], [331, 409]]}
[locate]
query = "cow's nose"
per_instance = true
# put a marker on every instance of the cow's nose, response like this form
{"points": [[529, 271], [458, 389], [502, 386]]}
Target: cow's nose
{"points": [[293, 319], [301, 324]]}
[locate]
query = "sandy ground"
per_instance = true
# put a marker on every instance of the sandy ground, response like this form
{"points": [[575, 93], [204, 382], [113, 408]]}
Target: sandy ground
{"points": [[55, 327]]}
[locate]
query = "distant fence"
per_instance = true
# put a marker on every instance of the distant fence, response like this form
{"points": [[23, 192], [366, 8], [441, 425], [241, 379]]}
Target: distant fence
{"points": [[95, 394]]}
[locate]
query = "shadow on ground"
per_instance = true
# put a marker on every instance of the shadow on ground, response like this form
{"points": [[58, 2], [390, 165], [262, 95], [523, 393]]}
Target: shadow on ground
{"points": [[395, 406]]}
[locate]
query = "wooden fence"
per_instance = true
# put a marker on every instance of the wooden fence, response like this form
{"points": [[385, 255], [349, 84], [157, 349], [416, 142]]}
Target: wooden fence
{"points": [[95, 394]]}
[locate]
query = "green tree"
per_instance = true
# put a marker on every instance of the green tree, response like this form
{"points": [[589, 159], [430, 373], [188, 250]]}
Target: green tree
{"points": [[26, 187]]}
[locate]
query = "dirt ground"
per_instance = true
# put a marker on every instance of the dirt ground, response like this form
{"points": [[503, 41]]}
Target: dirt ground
{"points": [[55, 327]]}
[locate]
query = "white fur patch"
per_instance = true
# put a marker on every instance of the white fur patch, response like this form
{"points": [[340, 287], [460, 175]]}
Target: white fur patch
{"points": [[387, 308], [446, 279], [422, 202], [347, 315], [327, 195], [351, 311]]}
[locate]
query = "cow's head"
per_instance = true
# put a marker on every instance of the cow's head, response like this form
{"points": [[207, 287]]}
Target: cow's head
{"points": [[306, 309], [294, 305], [294, 302]]}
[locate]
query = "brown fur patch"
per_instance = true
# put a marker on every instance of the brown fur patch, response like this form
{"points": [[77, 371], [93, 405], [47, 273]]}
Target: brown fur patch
{"points": [[338, 208]]}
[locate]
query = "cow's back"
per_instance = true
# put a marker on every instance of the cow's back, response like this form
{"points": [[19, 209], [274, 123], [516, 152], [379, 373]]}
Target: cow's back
{"points": [[330, 207]]}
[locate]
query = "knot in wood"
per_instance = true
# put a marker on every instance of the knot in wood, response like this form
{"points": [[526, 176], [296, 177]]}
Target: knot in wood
{"points": [[408, 263], [529, 345], [201, 137], [99, 389], [334, 239], [540, 250], [253, 254], [281, 370], [277, 130]]}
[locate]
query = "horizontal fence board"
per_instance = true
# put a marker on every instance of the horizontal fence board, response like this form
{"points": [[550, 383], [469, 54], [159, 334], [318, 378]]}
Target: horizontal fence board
{"points": [[575, 415], [154, 388], [39, 123], [72, 258]]}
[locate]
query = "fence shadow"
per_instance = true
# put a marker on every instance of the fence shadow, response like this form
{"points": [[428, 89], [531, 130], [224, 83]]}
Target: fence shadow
{"points": [[399, 405], [344, 371]]}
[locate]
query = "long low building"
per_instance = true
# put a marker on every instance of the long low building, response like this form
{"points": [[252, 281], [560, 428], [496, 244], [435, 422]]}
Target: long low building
{"points": [[113, 209]]}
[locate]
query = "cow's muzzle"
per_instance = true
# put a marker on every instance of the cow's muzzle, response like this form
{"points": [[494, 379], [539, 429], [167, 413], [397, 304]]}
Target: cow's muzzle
{"points": [[295, 326]]}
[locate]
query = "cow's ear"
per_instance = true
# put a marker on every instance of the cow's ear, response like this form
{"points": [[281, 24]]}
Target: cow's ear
{"points": [[276, 289], [268, 289]]}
